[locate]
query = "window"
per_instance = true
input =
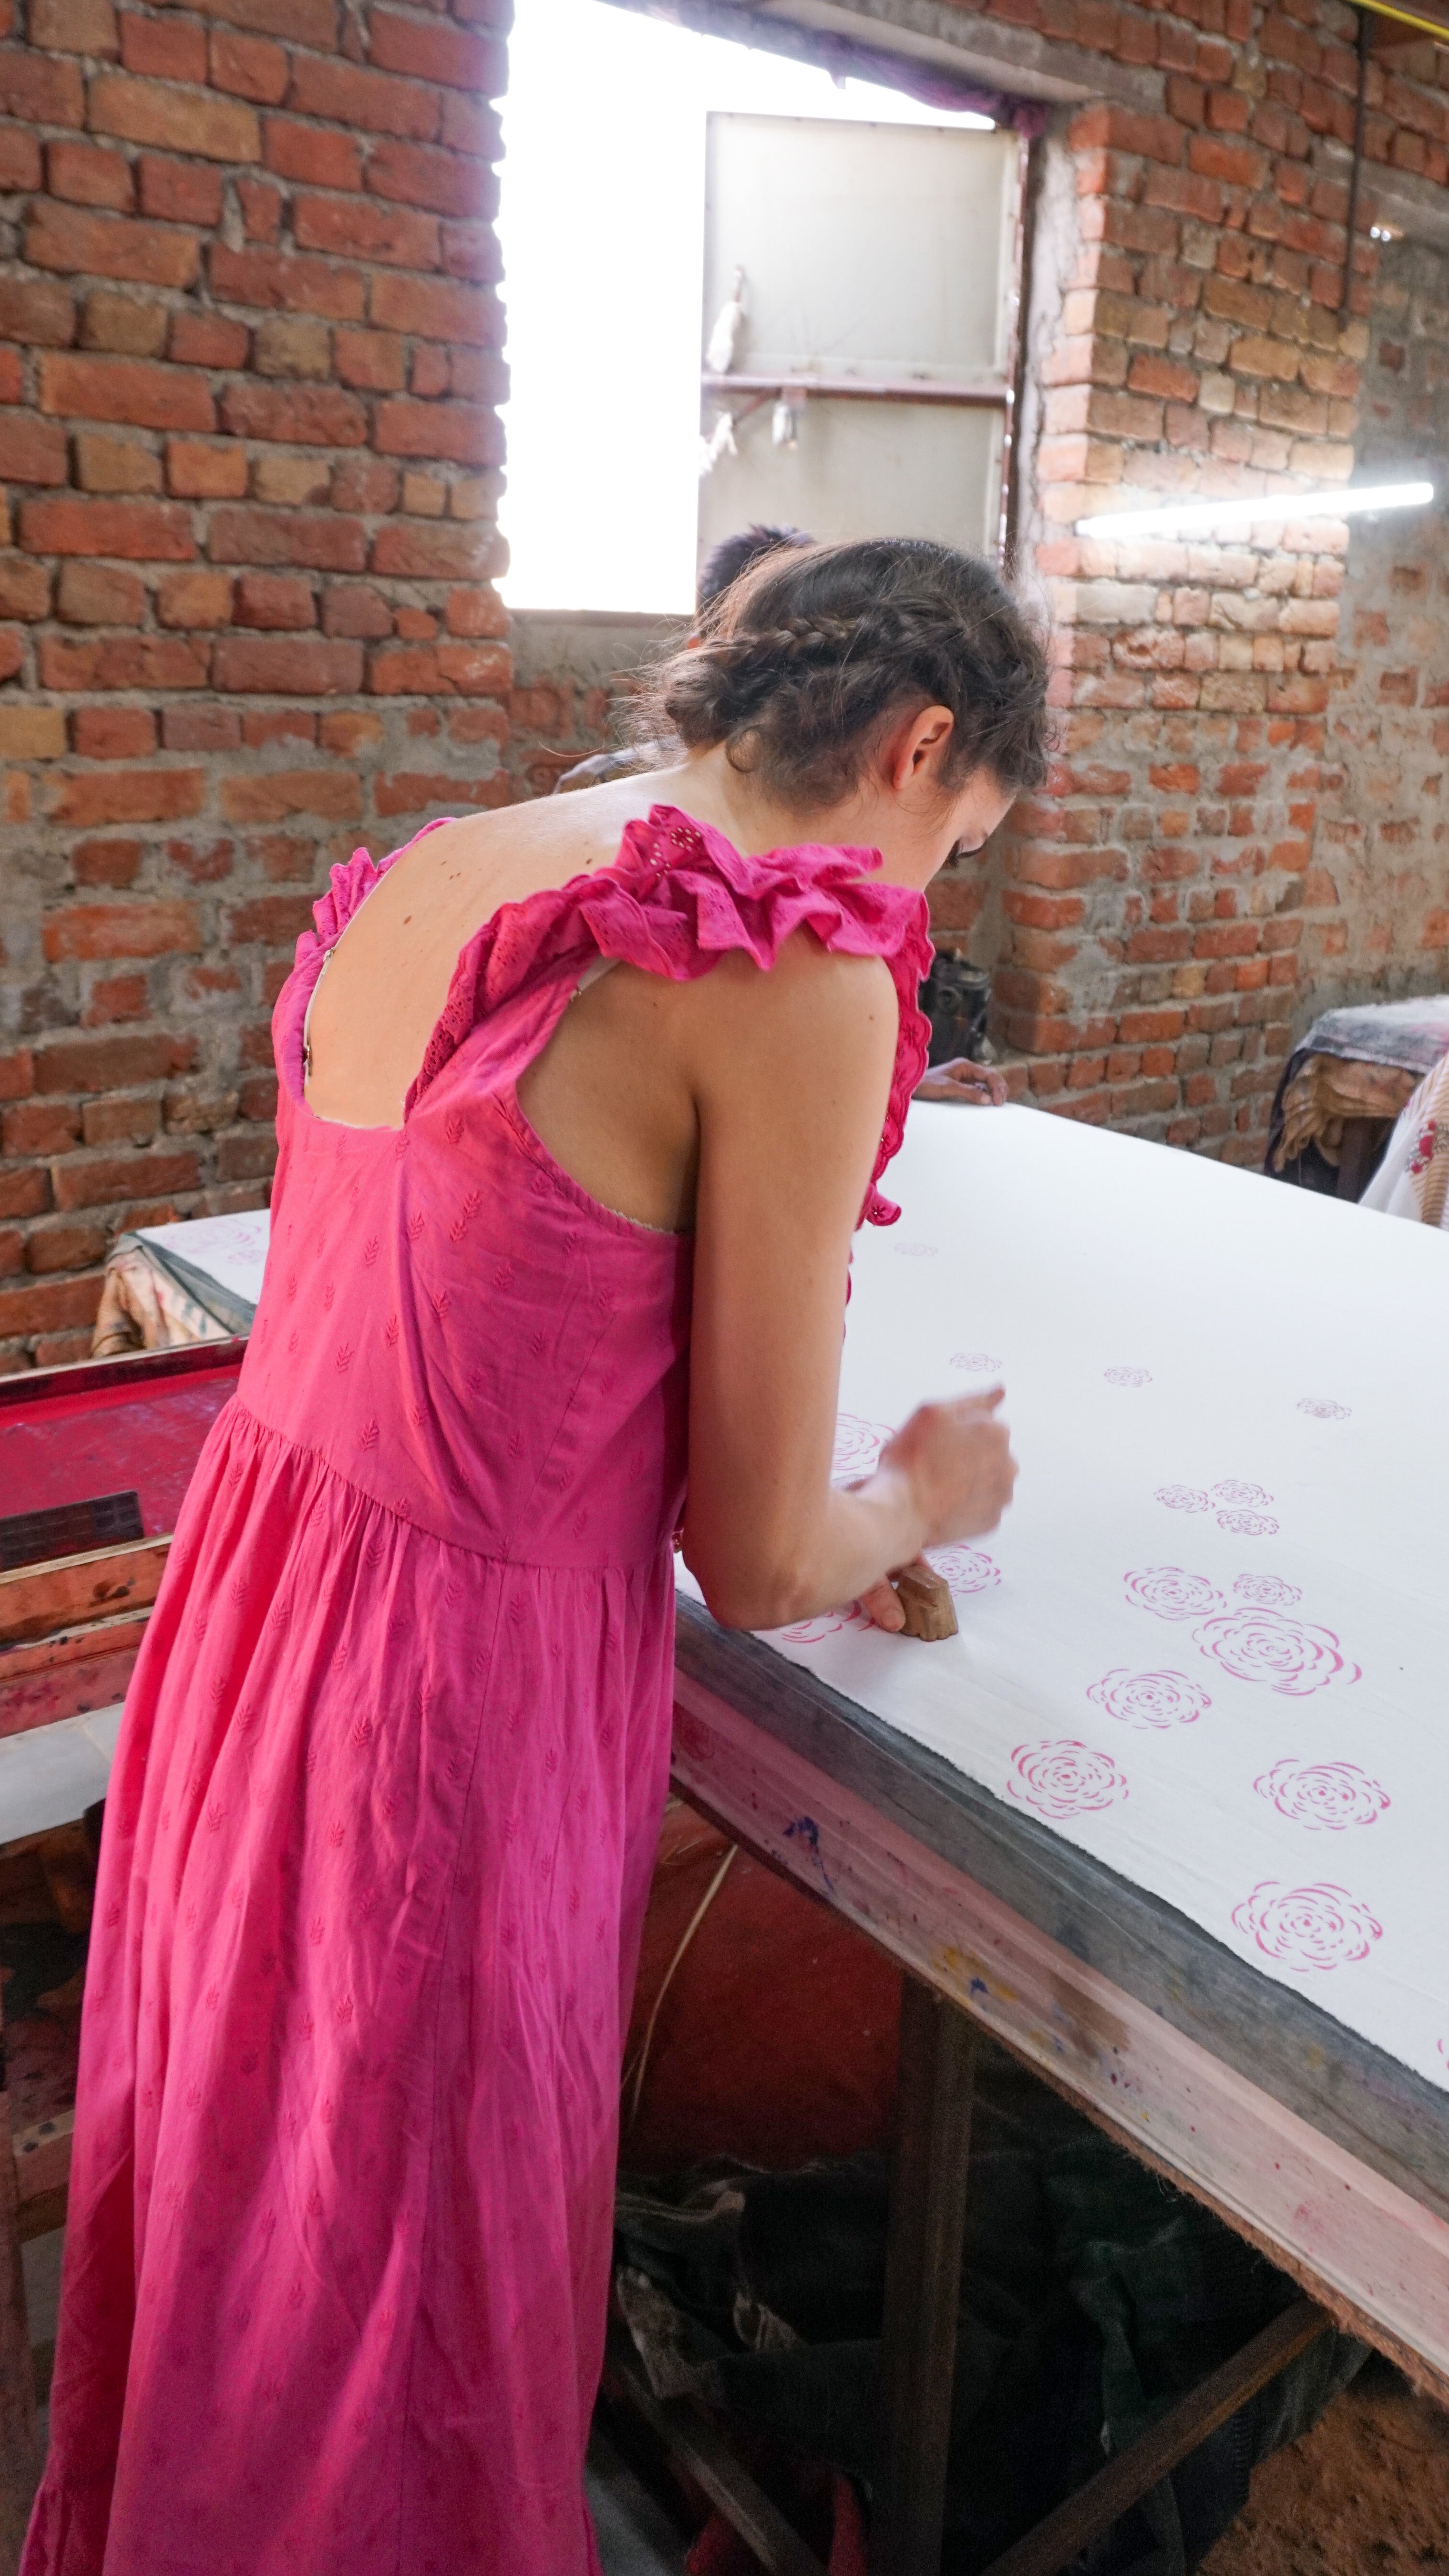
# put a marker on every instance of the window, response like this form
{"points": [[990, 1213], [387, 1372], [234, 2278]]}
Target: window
{"points": [[603, 223]]}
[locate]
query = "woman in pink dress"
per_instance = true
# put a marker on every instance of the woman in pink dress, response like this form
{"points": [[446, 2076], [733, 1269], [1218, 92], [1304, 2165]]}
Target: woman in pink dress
{"points": [[559, 1255]]}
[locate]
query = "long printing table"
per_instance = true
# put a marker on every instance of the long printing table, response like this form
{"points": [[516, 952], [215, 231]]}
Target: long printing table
{"points": [[1166, 1817]]}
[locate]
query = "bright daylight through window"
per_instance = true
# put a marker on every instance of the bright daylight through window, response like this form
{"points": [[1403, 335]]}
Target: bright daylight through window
{"points": [[606, 112]]}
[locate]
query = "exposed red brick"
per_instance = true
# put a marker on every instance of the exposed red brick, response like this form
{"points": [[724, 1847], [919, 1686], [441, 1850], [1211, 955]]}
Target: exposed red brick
{"points": [[70, 238], [87, 798], [302, 415], [35, 310], [99, 594], [294, 665], [130, 929], [311, 154], [177, 192], [275, 281], [436, 310], [74, 27], [207, 340], [202, 473], [130, 390], [460, 433], [399, 236], [438, 52], [122, 662], [139, 111], [32, 451], [415, 174], [139, 531], [248, 67], [365, 100], [43, 1308], [114, 733], [320, 539], [87, 174], [276, 600], [94, 1180]]}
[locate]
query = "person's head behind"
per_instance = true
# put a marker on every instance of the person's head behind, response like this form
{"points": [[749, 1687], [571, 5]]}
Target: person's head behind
{"points": [[733, 555], [806, 664]]}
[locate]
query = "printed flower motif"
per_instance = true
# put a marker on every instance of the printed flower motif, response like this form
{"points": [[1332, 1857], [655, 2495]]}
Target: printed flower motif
{"points": [[1150, 1699], [858, 1444], [1423, 1153], [1169, 1593], [965, 1569], [1323, 1408], [1127, 1376], [826, 1623], [1268, 1590], [1266, 1646], [1249, 1524], [1307, 1927], [1327, 1797], [1060, 1777], [1233, 1490], [1182, 1498], [974, 1360]]}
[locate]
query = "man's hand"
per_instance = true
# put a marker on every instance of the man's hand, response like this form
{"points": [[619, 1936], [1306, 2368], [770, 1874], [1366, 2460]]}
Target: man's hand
{"points": [[970, 1086]]}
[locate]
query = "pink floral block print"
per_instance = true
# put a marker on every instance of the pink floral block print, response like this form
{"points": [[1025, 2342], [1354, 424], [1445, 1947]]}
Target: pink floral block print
{"points": [[1183, 1498], [965, 1569], [1323, 1408], [1327, 1797], [1063, 1778], [1249, 1524], [1272, 1647], [975, 1360], [1150, 1699], [1170, 1593], [858, 1445], [825, 1623], [1307, 1927], [1127, 1376], [1234, 1491], [1268, 1590]]}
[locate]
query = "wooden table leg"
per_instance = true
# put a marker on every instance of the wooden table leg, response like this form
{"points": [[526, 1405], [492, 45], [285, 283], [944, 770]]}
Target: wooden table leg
{"points": [[923, 2279], [19, 2443]]}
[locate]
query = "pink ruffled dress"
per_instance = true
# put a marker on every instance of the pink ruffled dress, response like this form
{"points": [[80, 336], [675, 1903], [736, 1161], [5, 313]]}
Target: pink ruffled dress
{"points": [[385, 1805]]}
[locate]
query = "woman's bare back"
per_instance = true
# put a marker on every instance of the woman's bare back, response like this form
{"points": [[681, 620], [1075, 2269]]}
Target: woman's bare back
{"points": [[604, 1096]]}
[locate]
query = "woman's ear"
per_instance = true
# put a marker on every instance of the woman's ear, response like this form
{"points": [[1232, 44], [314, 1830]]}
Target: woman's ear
{"points": [[915, 752]]}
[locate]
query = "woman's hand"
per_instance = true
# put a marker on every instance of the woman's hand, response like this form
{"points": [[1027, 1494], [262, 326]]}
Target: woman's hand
{"points": [[970, 1086], [956, 1461]]}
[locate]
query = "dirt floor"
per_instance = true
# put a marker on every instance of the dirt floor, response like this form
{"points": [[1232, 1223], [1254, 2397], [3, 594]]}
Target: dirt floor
{"points": [[1366, 2493]]}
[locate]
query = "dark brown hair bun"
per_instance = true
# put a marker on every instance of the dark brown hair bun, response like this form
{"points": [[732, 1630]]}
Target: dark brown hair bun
{"points": [[803, 661]]}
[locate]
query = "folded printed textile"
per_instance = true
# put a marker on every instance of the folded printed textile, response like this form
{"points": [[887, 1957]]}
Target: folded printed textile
{"points": [[1329, 1089], [195, 1281], [1348, 1065], [1093, 2295], [1413, 1178]]}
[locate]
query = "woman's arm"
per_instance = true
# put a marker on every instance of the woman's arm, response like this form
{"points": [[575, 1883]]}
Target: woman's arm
{"points": [[791, 1074]]}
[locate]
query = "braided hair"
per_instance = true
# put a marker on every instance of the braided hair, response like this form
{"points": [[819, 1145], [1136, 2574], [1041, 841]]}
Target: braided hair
{"points": [[804, 660]]}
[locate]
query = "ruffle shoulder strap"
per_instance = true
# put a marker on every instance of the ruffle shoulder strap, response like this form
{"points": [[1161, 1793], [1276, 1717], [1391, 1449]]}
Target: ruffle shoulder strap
{"points": [[676, 899]]}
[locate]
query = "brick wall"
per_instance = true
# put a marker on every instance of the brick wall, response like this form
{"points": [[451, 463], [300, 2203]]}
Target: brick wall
{"points": [[249, 358], [249, 353]]}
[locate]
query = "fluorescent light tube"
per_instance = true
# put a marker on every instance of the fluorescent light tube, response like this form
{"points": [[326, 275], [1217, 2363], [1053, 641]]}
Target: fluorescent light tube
{"points": [[1188, 518]]}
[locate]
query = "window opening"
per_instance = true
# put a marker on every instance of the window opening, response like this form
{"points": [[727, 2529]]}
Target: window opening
{"points": [[607, 133]]}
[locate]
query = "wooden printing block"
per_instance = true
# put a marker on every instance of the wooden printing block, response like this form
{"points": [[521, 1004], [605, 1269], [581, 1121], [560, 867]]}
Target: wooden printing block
{"points": [[925, 1597]]}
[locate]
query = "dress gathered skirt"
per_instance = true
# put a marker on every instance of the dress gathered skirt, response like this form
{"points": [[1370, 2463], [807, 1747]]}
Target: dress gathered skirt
{"points": [[384, 1809]]}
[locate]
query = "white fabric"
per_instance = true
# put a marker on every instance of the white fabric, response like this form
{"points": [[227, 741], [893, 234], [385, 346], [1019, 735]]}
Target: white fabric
{"points": [[1209, 1641], [230, 1249], [50, 1774]]}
